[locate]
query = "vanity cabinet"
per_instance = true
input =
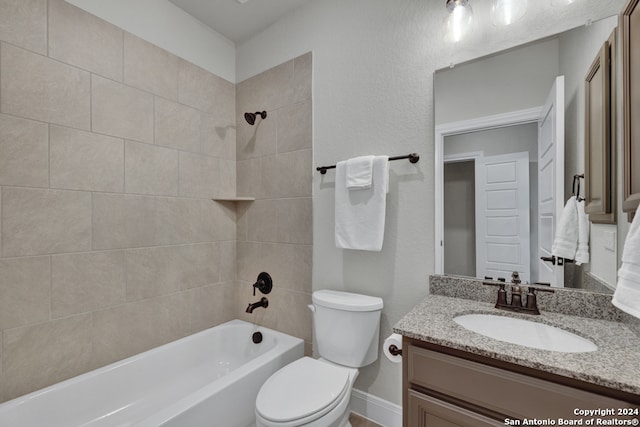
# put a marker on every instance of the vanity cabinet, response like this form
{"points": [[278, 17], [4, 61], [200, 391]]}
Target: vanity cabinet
{"points": [[446, 388]]}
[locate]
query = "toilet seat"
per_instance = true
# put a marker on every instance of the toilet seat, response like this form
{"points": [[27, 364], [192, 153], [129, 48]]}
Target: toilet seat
{"points": [[302, 391]]}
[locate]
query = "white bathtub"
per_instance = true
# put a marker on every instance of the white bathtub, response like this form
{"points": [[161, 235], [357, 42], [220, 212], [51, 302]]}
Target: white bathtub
{"points": [[209, 379]]}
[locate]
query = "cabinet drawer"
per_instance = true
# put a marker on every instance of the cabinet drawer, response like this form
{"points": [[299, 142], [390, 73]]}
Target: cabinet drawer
{"points": [[428, 411], [501, 391]]}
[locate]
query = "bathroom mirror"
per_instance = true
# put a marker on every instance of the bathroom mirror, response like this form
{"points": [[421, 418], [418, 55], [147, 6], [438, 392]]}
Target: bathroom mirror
{"points": [[499, 193]]}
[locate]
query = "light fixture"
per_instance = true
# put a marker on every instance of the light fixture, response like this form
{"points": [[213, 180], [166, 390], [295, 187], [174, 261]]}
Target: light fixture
{"points": [[562, 2], [506, 12], [459, 23]]}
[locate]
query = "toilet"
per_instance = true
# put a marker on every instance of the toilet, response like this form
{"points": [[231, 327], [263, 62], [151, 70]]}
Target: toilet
{"points": [[316, 392]]}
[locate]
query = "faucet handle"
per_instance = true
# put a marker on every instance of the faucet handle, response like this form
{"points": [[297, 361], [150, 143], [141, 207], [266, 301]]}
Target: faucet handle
{"points": [[264, 283], [515, 278]]}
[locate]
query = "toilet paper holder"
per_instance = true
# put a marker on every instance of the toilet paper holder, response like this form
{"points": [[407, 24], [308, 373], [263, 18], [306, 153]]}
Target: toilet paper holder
{"points": [[394, 350]]}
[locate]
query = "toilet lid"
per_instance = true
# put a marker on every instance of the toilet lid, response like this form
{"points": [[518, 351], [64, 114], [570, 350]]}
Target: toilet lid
{"points": [[300, 389]]}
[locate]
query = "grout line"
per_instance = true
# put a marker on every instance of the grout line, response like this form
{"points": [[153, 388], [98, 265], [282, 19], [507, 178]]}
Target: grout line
{"points": [[48, 26], [49, 156], [50, 287]]}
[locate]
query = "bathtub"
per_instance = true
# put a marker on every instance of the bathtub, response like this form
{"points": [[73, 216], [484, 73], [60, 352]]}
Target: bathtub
{"points": [[209, 379]]}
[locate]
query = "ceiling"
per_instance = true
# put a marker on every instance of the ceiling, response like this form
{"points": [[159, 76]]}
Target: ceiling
{"points": [[238, 20]]}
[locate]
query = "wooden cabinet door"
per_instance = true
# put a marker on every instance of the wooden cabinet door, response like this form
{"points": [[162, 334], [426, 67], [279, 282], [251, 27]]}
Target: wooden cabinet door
{"points": [[427, 411], [630, 25]]}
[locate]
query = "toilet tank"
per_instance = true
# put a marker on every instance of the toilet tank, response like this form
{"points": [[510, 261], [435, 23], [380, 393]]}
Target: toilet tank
{"points": [[347, 327]]}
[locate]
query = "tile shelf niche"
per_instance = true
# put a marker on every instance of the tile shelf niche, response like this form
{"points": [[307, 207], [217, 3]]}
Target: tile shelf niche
{"points": [[233, 199]]}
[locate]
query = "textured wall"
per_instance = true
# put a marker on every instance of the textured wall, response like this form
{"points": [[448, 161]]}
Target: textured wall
{"points": [[110, 151], [274, 166], [373, 94]]}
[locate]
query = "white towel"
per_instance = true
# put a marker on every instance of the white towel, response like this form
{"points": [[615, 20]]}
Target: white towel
{"points": [[627, 294], [359, 172], [582, 253], [360, 215], [565, 243]]}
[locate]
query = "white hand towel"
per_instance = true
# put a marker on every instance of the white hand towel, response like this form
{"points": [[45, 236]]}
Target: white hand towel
{"points": [[360, 215], [627, 294], [359, 172], [565, 243], [582, 253]]}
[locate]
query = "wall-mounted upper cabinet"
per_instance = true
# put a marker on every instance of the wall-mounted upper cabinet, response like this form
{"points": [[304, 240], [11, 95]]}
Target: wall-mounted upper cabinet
{"points": [[600, 135], [630, 24]]}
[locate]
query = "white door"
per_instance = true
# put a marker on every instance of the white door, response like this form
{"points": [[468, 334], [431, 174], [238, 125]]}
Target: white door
{"points": [[550, 180], [502, 216]]}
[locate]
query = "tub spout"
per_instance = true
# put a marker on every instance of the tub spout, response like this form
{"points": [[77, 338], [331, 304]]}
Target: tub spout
{"points": [[262, 303]]}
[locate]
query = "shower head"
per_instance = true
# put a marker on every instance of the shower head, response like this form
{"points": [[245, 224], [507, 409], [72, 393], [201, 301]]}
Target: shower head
{"points": [[251, 117]]}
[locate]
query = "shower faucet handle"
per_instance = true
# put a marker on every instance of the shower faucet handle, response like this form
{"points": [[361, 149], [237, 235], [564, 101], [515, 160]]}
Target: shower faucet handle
{"points": [[264, 283]]}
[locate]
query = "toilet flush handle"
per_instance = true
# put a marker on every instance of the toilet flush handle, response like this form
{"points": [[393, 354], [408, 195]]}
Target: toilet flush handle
{"points": [[312, 308]]}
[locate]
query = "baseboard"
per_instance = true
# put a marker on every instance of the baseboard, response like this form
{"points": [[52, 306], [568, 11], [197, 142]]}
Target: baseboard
{"points": [[378, 410]]}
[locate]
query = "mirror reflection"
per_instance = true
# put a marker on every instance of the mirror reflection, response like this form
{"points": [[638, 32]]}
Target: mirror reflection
{"points": [[509, 139]]}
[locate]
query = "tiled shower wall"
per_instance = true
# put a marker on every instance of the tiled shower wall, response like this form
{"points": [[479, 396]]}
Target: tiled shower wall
{"points": [[274, 165], [110, 151]]}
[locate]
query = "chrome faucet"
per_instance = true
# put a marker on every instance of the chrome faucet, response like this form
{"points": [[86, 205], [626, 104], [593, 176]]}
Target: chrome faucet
{"points": [[264, 302]]}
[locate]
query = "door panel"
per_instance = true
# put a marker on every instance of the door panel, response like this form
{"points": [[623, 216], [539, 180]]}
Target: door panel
{"points": [[502, 216], [550, 180]]}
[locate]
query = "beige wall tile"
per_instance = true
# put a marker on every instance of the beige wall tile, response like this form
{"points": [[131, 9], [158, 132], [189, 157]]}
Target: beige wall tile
{"points": [[277, 259], [206, 91], [177, 126], [268, 90], [242, 221], [202, 265], [150, 169], [120, 110], [132, 328], [208, 306], [86, 282], [200, 176], [123, 221], [227, 261], [38, 222], [295, 223], [227, 183], [302, 82], [248, 178], [295, 130], [24, 152], [218, 137], [81, 39], [40, 88], [249, 261], [163, 270], [293, 174], [292, 315], [287, 174], [219, 220], [180, 221], [263, 221], [258, 140], [150, 68], [151, 272], [44, 354], [24, 291], [24, 23], [86, 161], [1, 374], [302, 268]]}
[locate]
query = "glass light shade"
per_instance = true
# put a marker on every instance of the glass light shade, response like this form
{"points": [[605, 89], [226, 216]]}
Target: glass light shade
{"points": [[459, 23], [506, 12]]}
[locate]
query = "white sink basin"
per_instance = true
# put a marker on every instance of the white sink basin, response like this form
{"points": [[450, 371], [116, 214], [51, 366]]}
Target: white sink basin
{"points": [[526, 333]]}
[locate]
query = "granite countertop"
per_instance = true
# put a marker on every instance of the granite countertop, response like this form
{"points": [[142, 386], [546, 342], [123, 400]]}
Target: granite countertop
{"points": [[614, 364]]}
